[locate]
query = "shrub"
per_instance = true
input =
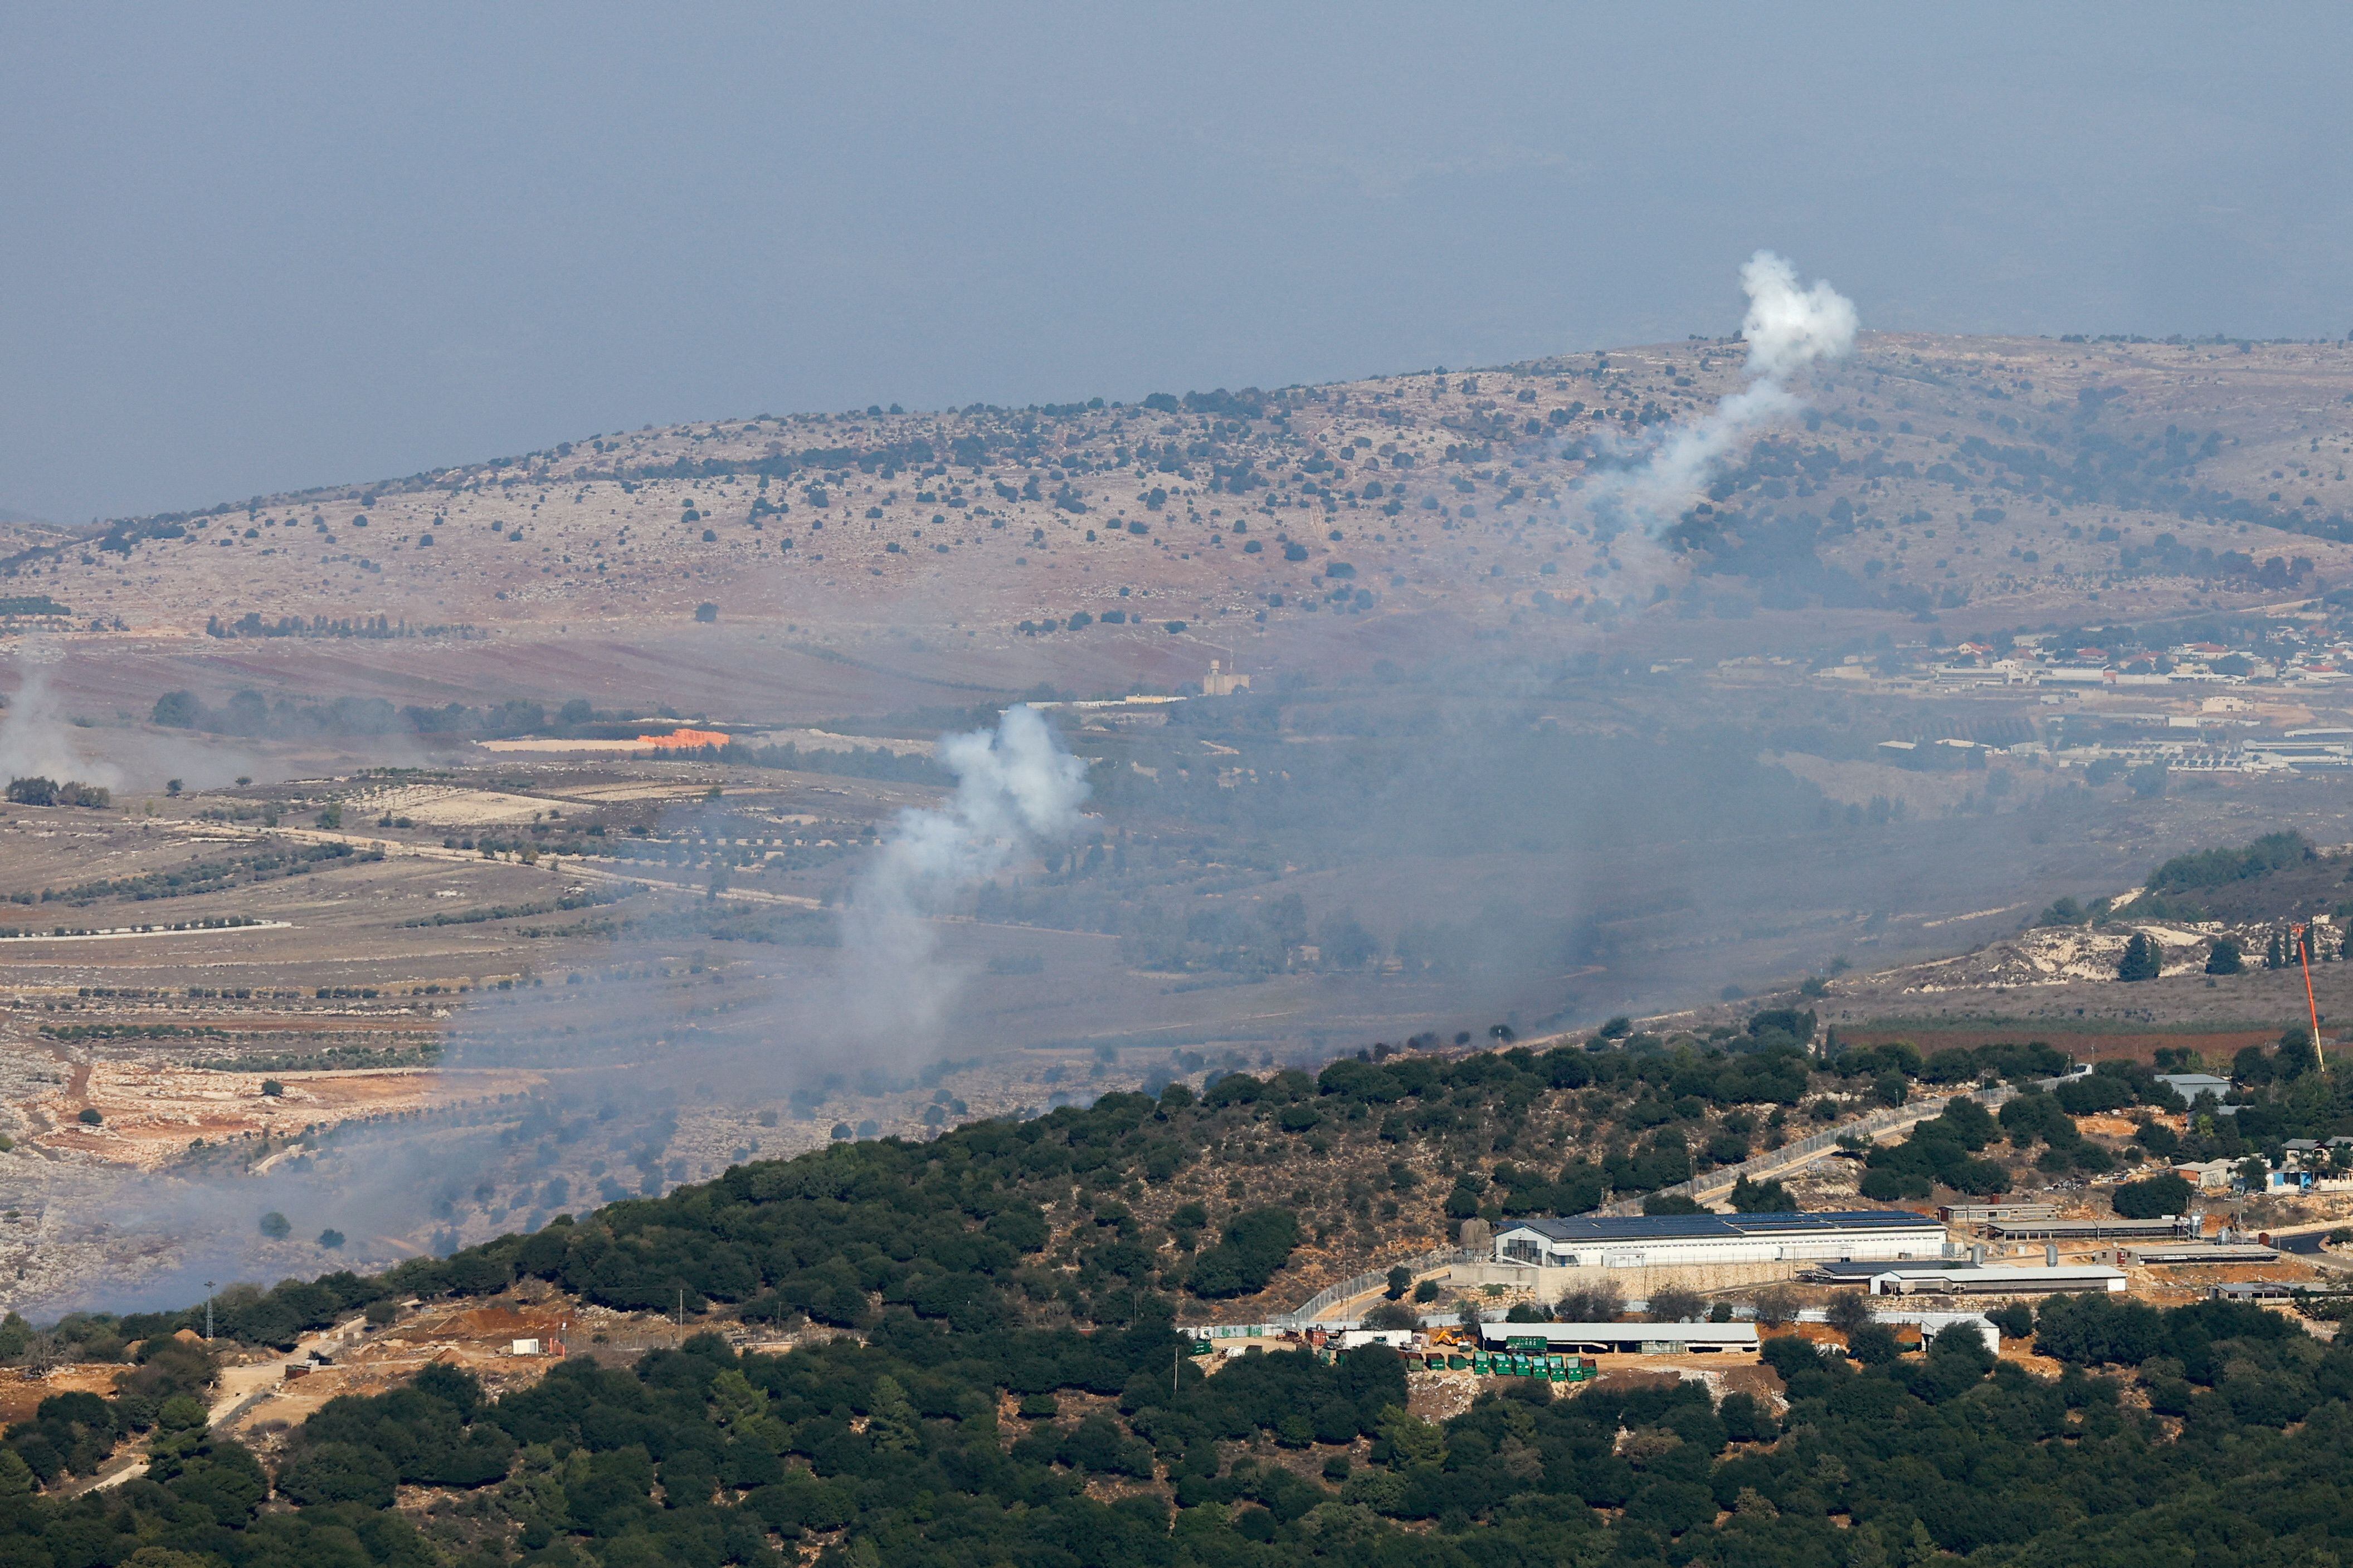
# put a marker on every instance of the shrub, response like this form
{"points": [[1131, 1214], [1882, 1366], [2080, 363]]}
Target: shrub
{"points": [[2152, 1197], [1253, 1245], [1590, 1304], [339, 1472], [1769, 1196], [1673, 1304]]}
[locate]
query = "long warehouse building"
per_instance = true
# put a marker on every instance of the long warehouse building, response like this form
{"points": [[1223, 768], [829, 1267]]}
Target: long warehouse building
{"points": [[1650, 1241]]}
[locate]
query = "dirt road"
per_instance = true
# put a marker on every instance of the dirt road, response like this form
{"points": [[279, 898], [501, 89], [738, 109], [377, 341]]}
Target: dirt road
{"points": [[237, 1390]]}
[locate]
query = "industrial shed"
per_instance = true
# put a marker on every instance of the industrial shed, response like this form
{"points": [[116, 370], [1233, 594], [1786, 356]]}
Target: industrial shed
{"points": [[1650, 1241], [1966, 1280], [1629, 1339], [2066, 1230]]}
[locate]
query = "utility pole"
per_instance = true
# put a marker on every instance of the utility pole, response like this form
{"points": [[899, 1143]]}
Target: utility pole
{"points": [[209, 1309]]}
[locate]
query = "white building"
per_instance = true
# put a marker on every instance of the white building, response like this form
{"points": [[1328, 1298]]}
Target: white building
{"points": [[1650, 1241], [2019, 1282]]}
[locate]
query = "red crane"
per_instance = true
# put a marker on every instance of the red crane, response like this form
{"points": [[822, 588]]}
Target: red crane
{"points": [[2304, 952]]}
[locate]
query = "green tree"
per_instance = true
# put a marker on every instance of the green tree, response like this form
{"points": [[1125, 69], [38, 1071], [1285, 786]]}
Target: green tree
{"points": [[2295, 1055], [1254, 1244], [2224, 957], [1345, 944], [1769, 1196], [2141, 959], [1673, 1304], [1847, 1310], [1412, 1440], [340, 1472], [2152, 1197], [892, 1424]]}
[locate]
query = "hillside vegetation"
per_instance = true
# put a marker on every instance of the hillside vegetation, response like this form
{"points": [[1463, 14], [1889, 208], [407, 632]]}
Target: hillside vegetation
{"points": [[1239, 1202], [1926, 474], [1005, 1385]]}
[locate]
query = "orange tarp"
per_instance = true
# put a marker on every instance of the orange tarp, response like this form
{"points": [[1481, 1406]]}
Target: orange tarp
{"points": [[685, 739]]}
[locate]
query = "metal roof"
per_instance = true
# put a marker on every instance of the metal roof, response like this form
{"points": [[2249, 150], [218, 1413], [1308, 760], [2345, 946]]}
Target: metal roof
{"points": [[2009, 1280], [1836, 1269], [1735, 1334], [2082, 1229], [1605, 1228]]}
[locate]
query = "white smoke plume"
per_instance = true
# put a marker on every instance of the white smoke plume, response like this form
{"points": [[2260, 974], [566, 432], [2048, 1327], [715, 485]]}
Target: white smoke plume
{"points": [[1017, 787], [1787, 328], [36, 741]]}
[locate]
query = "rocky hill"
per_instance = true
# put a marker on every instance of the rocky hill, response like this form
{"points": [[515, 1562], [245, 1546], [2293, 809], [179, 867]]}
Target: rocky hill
{"points": [[2026, 478]]}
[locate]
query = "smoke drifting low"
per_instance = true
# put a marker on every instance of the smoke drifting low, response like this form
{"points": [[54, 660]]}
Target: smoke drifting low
{"points": [[34, 739], [1787, 328], [1017, 787]]}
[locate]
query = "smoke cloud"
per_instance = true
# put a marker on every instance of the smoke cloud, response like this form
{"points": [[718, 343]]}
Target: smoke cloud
{"points": [[34, 739], [1787, 328], [1017, 787]]}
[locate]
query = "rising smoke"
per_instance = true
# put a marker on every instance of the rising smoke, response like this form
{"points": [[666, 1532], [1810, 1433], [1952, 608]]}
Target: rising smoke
{"points": [[1787, 328], [36, 741], [1017, 787]]}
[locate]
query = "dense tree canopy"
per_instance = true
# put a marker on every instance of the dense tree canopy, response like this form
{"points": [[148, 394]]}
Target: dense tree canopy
{"points": [[922, 1444]]}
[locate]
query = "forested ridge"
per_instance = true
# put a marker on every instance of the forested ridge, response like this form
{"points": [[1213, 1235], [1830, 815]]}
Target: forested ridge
{"points": [[992, 1373], [918, 1443]]}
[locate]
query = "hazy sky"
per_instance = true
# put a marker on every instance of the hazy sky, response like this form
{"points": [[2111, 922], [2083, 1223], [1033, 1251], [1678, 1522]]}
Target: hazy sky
{"points": [[249, 249]]}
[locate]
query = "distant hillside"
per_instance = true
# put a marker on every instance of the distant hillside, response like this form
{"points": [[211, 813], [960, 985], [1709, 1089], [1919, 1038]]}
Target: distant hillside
{"points": [[2019, 477]]}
